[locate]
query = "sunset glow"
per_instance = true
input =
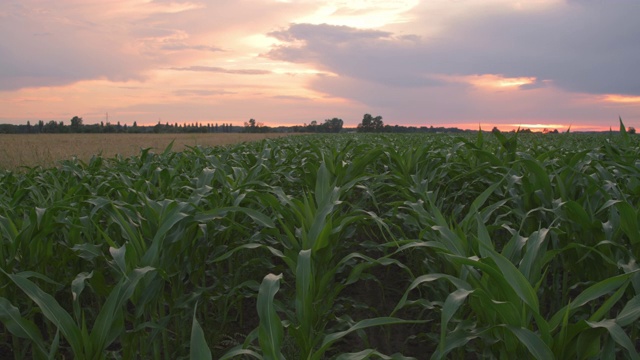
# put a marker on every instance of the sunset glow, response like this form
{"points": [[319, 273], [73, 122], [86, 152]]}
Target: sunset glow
{"points": [[622, 99], [491, 81], [291, 62], [539, 126]]}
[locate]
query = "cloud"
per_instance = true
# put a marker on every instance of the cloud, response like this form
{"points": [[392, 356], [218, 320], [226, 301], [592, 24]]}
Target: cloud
{"points": [[183, 46], [290, 97], [455, 102], [196, 92], [223, 70], [58, 43], [365, 54], [580, 46], [42, 47], [327, 33]]}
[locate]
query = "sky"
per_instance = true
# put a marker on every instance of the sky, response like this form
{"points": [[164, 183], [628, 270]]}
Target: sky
{"points": [[460, 63]]}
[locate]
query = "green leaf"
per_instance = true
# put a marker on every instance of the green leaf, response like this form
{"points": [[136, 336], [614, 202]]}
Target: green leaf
{"points": [[77, 286], [88, 251], [588, 343], [238, 351], [270, 330], [479, 201], [540, 176], [618, 335], [630, 313], [360, 325], [455, 339], [623, 129], [368, 353], [173, 216], [105, 330], [219, 213], [629, 221], [577, 214], [536, 346], [451, 305], [591, 293], [52, 311], [19, 326], [323, 184], [167, 150], [534, 253], [119, 257], [304, 298], [608, 304], [518, 282], [460, 284], [199, 350]]}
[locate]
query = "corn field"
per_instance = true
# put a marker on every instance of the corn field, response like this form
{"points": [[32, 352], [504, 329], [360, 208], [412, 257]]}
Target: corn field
{"points": [[351, 246]]}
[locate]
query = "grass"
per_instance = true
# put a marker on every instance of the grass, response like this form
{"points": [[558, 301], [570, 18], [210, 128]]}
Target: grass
{"points": [[353, 246]]}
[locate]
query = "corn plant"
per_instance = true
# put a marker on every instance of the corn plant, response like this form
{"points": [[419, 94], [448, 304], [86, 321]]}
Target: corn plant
{"points": [[349, 246]]}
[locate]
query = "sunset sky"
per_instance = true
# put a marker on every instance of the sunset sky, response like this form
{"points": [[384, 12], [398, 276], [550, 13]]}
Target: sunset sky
{"points": [[465, 63]]}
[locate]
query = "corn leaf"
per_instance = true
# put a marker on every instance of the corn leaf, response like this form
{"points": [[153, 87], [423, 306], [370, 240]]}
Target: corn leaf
{"points": [[199, 350], [270, 333]]}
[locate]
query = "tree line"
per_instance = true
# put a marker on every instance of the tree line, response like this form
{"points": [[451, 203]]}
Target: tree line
{"points": [[77, 126], [369, 124]]}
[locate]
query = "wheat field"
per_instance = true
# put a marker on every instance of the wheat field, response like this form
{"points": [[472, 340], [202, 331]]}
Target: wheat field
{"points": [[47, 150]]}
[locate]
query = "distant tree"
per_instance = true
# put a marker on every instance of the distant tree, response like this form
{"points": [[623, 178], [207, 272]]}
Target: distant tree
{"points": [[250, 126], [108, 128], [50, 127], [134, 128], [631, 130], [76, 124], [371, 124], [332, 125]]}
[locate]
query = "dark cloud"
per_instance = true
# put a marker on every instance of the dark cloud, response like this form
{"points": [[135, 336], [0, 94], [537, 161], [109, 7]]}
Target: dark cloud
{"points": [[327, 33], [368, 54], [583, 46], [534, 85], [223, 70]]}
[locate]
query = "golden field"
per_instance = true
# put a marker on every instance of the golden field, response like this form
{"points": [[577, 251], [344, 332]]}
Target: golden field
{"points": [[17, 150]]}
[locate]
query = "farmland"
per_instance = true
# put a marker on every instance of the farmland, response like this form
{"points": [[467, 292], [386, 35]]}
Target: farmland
{"points": [[350, 246], [47, 149]]}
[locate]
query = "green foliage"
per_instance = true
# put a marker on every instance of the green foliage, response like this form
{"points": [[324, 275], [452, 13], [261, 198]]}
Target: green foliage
{"points": [[387, 246], [371, 124]]}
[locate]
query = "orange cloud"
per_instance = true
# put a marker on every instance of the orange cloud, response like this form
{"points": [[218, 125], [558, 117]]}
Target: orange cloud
{"points": [[492, 81], [624, 99]]}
